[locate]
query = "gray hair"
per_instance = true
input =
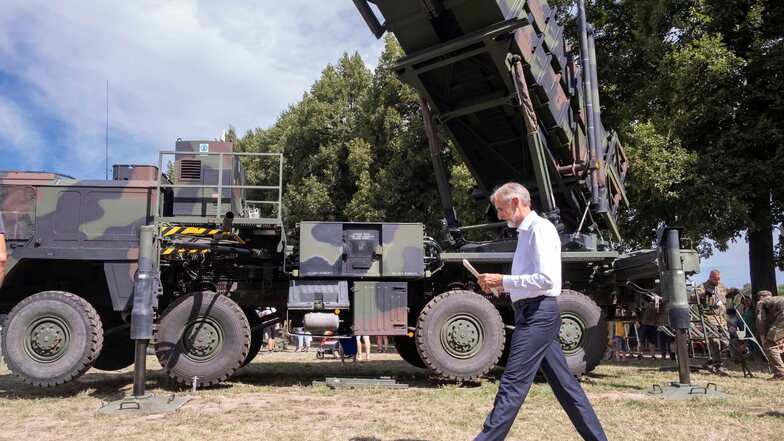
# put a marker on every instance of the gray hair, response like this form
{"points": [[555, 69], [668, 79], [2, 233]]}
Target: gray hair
{"points": [[511, 190]]}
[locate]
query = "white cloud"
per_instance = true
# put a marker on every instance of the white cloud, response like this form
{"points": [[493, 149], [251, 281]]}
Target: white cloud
{"points": [[183, 68], [17, 134]]}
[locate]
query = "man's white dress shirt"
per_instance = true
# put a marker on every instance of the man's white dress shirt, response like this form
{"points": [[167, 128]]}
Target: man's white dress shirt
{"points": [[536, 267]]}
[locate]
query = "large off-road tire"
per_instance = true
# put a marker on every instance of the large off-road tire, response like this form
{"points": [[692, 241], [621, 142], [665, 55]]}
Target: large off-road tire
{"points": [[507, 348], [203, 335], [460, 335], [406, 348], [256, 336], [583, 333], [51, 338], [117, 353]]}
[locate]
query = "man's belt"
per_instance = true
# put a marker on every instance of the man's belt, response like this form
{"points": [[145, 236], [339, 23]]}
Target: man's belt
{"points": [[522, 302]]}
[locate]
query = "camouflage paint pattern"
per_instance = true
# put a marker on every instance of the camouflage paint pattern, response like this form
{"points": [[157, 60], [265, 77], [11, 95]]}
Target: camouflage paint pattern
{"points": [[380, 308], [770, 323], [54, 217], [403, 253], [134, 172], [320, 249], [335, 249], [770, 317]]}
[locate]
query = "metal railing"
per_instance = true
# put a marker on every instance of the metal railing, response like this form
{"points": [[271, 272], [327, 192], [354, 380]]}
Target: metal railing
{"points": [[220, 186]]}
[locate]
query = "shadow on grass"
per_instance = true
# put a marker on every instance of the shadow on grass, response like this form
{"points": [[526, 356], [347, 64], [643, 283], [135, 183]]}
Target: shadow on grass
{"points": [[110, 386], [102, 385], [619, 386], [595, 375], [296, 373], [773, 414]]}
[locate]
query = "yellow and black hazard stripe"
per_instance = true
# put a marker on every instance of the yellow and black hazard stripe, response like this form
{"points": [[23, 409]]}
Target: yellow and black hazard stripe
{"points": [[171, 250], [193, 231]]}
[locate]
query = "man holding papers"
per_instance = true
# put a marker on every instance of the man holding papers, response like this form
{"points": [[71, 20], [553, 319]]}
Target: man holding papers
{"points": [[533, 286]]}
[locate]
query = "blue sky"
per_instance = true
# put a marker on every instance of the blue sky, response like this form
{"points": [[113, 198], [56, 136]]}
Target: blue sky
{"points": [[176, 69], [733, 265]]}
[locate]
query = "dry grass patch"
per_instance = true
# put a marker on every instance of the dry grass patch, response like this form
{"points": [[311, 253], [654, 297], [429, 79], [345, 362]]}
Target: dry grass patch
{"points": [[272, 399]]}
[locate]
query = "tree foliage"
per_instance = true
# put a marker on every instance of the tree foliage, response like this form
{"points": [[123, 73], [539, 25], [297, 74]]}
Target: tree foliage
{"points": [[694, 87], [355, 150]]}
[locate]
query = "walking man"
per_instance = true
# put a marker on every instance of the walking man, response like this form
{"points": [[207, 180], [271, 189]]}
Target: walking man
{"points": [[533, 286], [770, 324]]}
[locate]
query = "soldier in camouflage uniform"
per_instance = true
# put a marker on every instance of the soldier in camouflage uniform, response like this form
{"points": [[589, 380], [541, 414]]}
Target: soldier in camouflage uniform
{"points": [[770, 324], [712, 299]]}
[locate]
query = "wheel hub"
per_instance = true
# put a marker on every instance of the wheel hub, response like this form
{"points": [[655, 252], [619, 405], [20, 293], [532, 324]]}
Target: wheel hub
{"points": [[462, 336], [571, 333], [202, 339], [47, 339]]}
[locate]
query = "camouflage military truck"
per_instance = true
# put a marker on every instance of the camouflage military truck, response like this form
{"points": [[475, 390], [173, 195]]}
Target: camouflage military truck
{"points": [[72, 254], [497, 75], [73, 249]]}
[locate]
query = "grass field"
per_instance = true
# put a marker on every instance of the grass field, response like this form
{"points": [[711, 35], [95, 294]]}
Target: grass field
{"points": [[272, 399]]}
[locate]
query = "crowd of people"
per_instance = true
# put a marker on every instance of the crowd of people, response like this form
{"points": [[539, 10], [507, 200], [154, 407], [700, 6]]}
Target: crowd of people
{"points": [[635, 340], [740, 325], [277, 338]]}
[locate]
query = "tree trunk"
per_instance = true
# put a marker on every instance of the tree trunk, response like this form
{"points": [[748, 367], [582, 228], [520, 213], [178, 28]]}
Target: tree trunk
{"points": [[761, 266]]}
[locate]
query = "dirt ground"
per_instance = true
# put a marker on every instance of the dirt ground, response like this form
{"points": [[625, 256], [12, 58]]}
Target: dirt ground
{"points": [[273, 399]]}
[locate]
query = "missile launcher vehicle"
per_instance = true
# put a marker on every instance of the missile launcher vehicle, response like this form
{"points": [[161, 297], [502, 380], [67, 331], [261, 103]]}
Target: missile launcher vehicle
{"points": [[500, 79]]}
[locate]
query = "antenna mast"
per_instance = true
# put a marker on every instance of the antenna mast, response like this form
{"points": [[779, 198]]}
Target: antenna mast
{"points": [[107, 131]]}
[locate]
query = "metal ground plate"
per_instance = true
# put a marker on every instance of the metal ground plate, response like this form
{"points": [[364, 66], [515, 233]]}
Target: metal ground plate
{"points": [[145, 405], [383, 382], [679, 391]]}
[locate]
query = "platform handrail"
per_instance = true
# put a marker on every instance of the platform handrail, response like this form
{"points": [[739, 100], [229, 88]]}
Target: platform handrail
{"points": [[220, 186]]}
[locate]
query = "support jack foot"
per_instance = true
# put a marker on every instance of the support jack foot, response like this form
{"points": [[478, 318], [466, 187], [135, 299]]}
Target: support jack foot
{"points": [[143, 405], [680, 391]]}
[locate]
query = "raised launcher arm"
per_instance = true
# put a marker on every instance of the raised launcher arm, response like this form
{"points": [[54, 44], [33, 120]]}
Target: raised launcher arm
{"points": [[462, 57]]}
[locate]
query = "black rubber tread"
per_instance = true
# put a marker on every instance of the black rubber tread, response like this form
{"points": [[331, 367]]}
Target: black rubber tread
{"points": [[507, 346], [117, 353], [235, 348], [429, 327], [407, 349], [86, 343], [256, 337], [595, 336]]}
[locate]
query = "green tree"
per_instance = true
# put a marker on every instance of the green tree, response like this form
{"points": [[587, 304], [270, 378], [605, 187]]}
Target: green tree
{"points": [[697, 85], [402, 170], [315, 136], [355, 150]]}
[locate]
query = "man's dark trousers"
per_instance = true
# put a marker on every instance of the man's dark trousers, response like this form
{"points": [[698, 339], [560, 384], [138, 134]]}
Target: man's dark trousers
{"points": [[535, 344]]}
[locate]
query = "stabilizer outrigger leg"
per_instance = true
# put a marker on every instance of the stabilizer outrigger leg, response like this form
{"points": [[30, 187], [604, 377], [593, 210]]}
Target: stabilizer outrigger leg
{"points": [[146, 288], [673, 287]]}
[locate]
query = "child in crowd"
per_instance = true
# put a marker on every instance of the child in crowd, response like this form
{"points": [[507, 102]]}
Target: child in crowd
{"points": [[621, 338], [732, 329], [348, 345], [732, 323]]}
